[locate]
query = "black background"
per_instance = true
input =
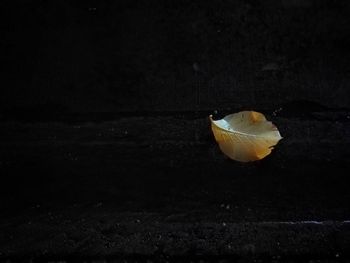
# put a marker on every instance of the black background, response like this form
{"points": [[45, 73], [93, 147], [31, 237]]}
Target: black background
{"points": [[112, 56], [104, 118]]}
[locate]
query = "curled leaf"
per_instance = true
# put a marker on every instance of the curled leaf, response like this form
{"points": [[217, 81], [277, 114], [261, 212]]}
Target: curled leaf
{"points": [[245, 136]]}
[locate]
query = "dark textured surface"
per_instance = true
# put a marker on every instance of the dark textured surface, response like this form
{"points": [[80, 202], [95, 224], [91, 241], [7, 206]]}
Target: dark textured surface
{"points": [[105, 145], [159, 187], [120, 55], [97, 234]]}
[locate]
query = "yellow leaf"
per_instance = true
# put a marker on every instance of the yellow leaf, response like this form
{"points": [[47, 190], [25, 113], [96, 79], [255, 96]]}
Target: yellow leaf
{"points": [[245, 136]]}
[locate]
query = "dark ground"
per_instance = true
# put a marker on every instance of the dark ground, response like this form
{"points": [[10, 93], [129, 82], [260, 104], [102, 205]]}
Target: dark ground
{"points": [[105, 146]]}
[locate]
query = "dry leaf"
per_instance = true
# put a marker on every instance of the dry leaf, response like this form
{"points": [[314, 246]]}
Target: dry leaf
{"points": [[245, 136]]}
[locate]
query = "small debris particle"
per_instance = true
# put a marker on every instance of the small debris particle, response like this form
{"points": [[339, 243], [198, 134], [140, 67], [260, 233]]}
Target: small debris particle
{"points": [[98, 204], [195, 67], [270, 67], [227, 207], [274, 113]]}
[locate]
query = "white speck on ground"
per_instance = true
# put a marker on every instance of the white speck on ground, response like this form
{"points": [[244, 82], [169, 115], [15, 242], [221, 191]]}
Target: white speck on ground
{"points": [[196, 67], [270, 67]]}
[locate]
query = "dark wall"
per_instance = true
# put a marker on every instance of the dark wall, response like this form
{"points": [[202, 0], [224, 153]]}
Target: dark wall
{"points": [[110, 56]]}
